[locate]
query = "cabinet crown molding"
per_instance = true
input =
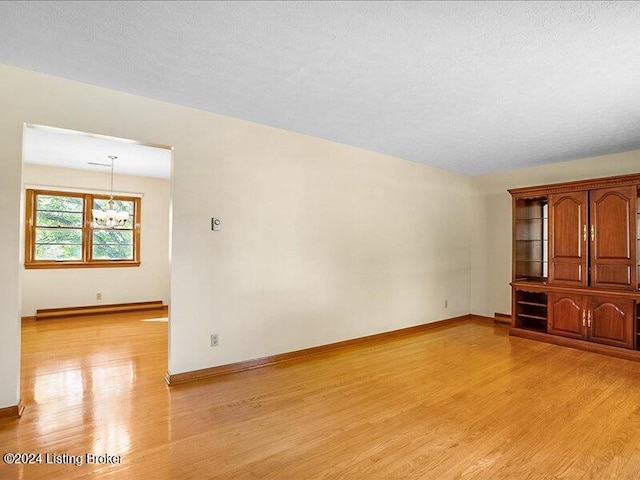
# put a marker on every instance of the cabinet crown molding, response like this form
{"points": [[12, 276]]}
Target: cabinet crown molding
{"points": [[603, 182]]}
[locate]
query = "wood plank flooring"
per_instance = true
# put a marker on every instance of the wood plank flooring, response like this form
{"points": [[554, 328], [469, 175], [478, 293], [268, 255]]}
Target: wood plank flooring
{"points": [[463, 401]]}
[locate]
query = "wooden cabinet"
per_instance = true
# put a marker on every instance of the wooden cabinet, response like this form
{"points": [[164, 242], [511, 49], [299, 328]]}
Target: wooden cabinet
{"points": [[576, 245], [605, 320]]}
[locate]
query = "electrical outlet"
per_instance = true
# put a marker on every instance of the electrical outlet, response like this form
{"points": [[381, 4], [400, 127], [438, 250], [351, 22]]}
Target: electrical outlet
{"points": [[98, 296], [214, 339], [446, 303]]}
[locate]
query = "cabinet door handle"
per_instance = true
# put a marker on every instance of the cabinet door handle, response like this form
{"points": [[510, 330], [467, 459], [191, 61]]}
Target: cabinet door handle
{"points": [[584, 322], [584, 232], [593, 233], [589, 319]]}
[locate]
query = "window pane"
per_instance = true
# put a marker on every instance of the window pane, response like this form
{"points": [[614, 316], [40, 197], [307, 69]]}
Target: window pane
{"points": [[115, 237], [58, 235], [112, 244], [119, 206], [59, 203], [58, 219], [58, 252], [112, 252]]}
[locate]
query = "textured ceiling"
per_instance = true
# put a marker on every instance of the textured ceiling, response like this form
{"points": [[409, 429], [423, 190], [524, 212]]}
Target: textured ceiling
{"points": [[471, 87]]}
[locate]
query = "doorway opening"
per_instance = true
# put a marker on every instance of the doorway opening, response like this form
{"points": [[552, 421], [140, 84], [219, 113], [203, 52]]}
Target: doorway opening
{"points": [[95, 292]]}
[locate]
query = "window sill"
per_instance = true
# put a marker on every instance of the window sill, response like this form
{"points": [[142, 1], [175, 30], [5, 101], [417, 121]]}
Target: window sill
{"points": [[96, 264]]}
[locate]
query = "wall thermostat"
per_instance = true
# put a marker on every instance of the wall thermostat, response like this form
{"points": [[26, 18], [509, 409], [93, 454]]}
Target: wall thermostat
{"points": [[216, 224]]}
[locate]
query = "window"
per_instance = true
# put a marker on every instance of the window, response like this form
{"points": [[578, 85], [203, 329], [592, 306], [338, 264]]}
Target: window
{"points": [[60, 234]]}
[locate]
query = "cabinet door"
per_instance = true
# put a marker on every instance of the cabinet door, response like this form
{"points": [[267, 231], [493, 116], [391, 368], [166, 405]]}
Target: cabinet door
{"points": [[610, 321], [613, 230], [567, 315], [568, 238]]}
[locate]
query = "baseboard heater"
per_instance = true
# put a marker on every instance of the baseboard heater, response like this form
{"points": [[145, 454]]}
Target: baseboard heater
{"points": [[95, 309]]}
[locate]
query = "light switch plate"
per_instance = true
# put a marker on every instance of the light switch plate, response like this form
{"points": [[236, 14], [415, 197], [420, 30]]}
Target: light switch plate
{"points": [[216, 224]]}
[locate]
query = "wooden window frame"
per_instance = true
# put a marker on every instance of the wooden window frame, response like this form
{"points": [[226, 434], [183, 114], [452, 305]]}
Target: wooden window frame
{"points": [[87, 233]]}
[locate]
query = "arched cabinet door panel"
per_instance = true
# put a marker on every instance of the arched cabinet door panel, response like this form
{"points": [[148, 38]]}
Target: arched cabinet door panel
{"points": [[610, 321], [568, 238], [567, 315], [613, 237]]}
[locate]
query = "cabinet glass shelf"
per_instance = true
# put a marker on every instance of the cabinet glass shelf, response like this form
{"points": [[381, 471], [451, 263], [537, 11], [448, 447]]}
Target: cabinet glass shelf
{"points": [[531, 239]]}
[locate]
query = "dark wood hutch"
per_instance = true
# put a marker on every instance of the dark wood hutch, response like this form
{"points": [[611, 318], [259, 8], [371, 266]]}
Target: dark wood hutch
{"points": [[575, 265]]}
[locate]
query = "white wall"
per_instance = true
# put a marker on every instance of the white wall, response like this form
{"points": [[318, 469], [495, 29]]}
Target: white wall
{"points": [[491, 249], [321, 242], [69, 287], [10, 214]]}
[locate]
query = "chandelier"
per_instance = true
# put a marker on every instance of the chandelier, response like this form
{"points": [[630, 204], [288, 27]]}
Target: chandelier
{"points": [[109, 218]]}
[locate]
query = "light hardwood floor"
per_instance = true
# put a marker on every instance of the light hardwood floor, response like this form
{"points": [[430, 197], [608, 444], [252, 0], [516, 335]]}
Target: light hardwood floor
{"points": [[464, 401]]}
